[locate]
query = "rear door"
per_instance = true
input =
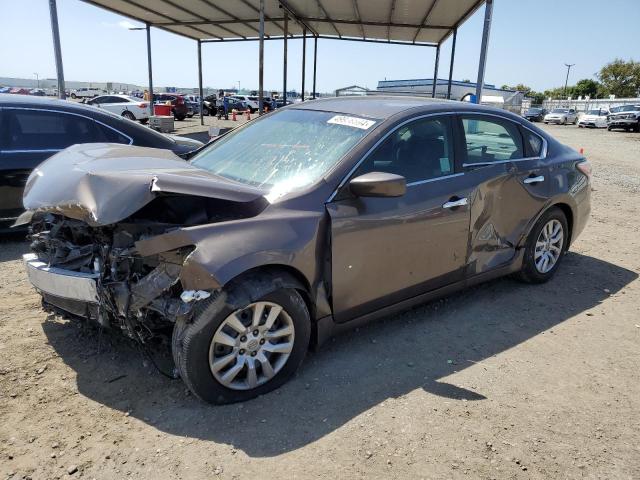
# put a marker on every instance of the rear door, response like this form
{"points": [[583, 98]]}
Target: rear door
{"points": [[510, 188]]}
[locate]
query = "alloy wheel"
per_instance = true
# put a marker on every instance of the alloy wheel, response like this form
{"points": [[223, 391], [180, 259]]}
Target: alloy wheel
{"points": [[548, 246], [251, 346]]}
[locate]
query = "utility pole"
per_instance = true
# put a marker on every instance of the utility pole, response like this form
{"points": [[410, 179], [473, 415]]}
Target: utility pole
{"points": [[37, 79], [57, 49], [566, 80]]}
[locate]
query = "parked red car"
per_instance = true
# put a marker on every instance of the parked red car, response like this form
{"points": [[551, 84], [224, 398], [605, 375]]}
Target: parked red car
{"points": [[178, 105]]}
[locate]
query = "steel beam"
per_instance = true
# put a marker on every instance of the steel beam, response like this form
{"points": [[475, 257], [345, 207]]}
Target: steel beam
{"points": [[286, 7], [267, 17], [284, 60], [315, 62], [329, 18], [424, 19], [200, 81], [57, 48], [488, 13], [435, 73], [294, 37], [453, 56], [148, 28], [261, 62], [304, 57], [358, 17]]}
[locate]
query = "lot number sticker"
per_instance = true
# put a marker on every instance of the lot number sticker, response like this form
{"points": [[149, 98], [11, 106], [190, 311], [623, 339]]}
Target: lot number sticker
{"points": [[354, 122]]}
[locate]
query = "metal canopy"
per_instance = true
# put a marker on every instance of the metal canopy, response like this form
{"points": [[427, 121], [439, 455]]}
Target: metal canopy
{"points": [[420, 22]]}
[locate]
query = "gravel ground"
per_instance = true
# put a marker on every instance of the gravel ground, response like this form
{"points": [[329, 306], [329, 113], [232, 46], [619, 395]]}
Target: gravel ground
{"points": [[501, 381]]}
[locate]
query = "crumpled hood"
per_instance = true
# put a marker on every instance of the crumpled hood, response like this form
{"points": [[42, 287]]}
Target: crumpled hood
{"points": [[104, 183]]}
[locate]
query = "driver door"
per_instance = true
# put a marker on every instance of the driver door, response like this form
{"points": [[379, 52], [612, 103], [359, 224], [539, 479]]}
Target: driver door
{"points": [[385, 250]]}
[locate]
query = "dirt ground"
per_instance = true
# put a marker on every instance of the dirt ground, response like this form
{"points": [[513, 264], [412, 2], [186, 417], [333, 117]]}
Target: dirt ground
{"points": [[505, 380]]}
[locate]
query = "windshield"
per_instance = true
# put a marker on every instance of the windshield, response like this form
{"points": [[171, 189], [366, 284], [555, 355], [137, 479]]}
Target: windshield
{"points": [[628, 108], [560, 110], [285, 151], [534, 110], [597, 112]]}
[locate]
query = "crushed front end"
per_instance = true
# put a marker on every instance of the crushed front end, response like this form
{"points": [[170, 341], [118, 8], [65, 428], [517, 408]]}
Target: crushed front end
{"points": [[97, 273]]}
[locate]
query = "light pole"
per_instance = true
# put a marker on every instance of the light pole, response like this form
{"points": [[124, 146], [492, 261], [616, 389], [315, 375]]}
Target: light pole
{"points": [[566, 80], [238, 86], [37, 79]]}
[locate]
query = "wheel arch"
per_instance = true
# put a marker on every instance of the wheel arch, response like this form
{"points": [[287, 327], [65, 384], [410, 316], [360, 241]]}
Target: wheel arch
{"points": [[568, 213], [282, 276], [562, 206]]}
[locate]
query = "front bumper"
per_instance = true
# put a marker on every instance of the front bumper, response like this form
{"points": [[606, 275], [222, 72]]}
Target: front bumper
{"points": [[60, 283], [623, 122]]}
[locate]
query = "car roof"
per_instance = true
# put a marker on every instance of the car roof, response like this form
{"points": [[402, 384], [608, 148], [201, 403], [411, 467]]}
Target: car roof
{"points": [[384, 106], [42, 102]]}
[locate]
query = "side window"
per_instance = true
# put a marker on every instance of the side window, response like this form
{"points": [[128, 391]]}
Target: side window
{"points": [[489, 140], [421, 150], [533, 143], [112, 136], [45, 130]]}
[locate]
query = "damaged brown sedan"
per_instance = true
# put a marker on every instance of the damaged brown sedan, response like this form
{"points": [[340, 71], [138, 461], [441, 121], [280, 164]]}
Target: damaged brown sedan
{"points": [[305, 222]]}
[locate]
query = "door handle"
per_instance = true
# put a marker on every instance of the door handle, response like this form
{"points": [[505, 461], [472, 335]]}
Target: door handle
{"points": [[461, 202], [538, 179]]}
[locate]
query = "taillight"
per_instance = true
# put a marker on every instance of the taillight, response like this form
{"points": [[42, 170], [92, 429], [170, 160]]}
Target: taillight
{"points": [[585, 167]]}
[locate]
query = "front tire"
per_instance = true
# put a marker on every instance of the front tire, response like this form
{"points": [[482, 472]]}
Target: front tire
{"points": [[545, 247], [243, 342]]}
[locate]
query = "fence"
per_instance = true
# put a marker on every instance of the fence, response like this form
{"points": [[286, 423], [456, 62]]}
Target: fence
{"points": [[592, 104]]}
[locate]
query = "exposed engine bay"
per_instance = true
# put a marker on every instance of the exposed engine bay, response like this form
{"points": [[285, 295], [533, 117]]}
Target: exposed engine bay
{"points": [[140, 295]]}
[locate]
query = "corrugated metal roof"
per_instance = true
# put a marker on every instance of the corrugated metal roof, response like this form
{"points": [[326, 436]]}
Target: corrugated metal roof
{"points": [[410, 21]]}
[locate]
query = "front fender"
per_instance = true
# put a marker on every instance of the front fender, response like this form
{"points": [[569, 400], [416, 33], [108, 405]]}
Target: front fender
{"points": [[227, 249]]}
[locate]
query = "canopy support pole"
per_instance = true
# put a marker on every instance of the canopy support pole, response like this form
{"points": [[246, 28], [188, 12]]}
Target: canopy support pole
{"points": [[200, 81], [488, 13], [304, 58], [284, 60], [261, 61], [148, 28], [435, 73], [53, 11], [453, 56], [315, 62]]}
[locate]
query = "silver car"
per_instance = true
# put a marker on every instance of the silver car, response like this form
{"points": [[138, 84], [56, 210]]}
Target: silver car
{"points": [[562, 116]]}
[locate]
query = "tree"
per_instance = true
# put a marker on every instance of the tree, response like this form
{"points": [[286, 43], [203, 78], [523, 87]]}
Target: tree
{"points": [[621, 78], [584, 87]]}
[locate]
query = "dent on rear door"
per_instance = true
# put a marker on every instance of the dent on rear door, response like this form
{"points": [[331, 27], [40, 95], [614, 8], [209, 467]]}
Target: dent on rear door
{"points": [[500, 211]]}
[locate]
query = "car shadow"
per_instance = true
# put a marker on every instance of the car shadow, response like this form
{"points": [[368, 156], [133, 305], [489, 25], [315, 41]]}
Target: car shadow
{"points": [[417, 349], [13, 245]]}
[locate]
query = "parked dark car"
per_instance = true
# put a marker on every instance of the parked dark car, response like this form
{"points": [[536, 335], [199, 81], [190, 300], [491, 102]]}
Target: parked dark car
{"points": [[535, 114], [33, 128], [625, 117], [300, 224], [179, 107]]}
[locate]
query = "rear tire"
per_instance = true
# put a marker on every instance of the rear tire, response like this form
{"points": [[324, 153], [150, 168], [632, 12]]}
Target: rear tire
{"points": [[197, 353], [534, 269], [128, 115]]}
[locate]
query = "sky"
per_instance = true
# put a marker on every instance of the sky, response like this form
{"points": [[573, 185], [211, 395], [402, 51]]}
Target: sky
{"points": [[530, 42]]}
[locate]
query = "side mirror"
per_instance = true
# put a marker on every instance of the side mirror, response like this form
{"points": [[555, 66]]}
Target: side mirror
{"points": [[378, 184]]}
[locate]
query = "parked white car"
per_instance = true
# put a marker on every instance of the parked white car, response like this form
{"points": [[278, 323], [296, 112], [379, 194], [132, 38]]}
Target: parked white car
{"points": [[251, 101], [594, 118], [86, 92], [561, 116], [129, 107]]}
